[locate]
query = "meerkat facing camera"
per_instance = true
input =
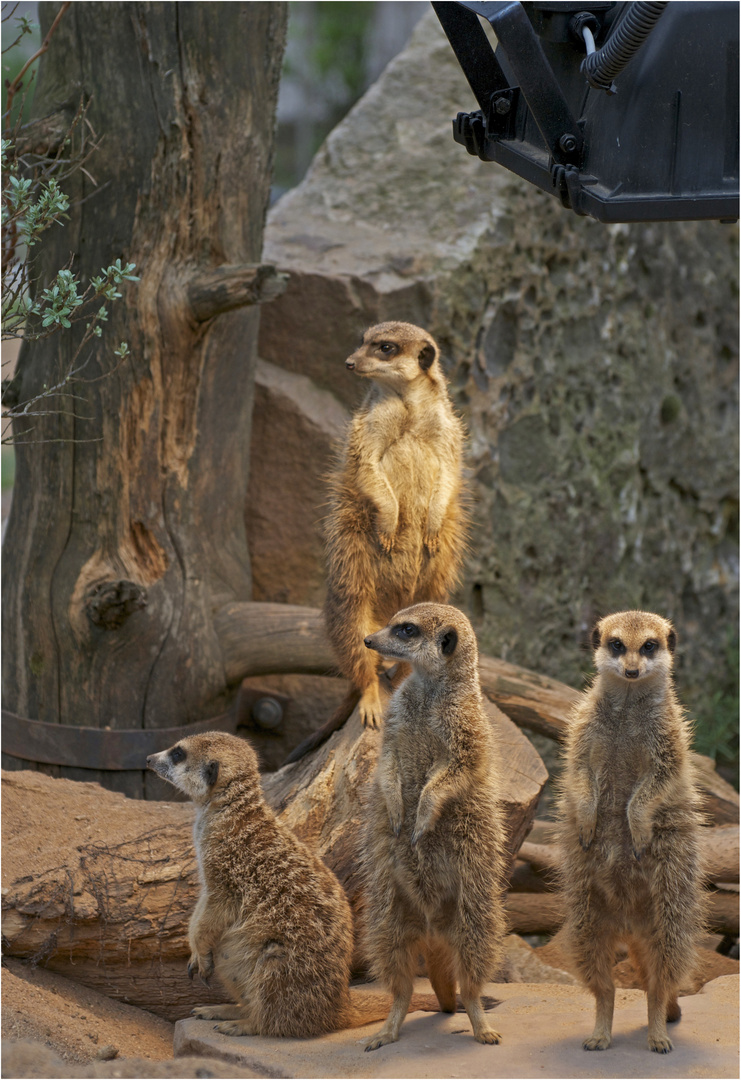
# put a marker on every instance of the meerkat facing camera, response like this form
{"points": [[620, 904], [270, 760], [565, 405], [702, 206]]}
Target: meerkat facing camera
{"points": [[395, 532], [272, 921], [630, 814], [434, 852]]}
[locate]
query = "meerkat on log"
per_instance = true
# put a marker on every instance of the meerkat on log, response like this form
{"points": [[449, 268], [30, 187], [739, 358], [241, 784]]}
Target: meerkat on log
{"points": [[434, 855], [630, 815], [272, 921], [396, 528]]}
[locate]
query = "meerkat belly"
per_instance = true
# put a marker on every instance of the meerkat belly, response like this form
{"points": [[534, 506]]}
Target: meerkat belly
{"points": [[414, 467]]}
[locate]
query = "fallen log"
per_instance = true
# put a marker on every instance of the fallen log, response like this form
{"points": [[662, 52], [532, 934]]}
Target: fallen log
{"points": [[719, 848], [543, 913], [100, 888]]}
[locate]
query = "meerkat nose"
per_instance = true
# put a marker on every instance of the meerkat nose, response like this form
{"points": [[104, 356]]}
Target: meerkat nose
{"points": [[368, 642], [631, 673], [350, 365]]}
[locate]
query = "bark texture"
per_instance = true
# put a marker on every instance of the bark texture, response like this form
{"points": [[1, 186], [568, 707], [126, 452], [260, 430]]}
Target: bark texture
{"points": [[126, 532]]}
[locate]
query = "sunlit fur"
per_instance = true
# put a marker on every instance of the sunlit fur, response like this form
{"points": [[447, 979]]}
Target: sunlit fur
{"points": [[272, 921], [434, 840], [629, 825], [395, 532]]}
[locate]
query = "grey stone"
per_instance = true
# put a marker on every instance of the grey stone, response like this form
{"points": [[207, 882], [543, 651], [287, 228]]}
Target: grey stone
{"points": [[595, 366]]}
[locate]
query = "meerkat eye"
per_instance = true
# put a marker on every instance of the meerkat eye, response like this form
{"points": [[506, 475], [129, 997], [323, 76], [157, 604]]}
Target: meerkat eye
{"points": [[387, 348], [406, 630], [177, 754], [616, 647], [649, 647]]}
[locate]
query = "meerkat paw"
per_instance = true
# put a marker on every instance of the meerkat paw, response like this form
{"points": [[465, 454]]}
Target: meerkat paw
{"points": [[432, 544], [382, 1038], [487, 1035], [586, 834], [661, 1044], [216, 1012], [597, 1042], [235, 1028], [370, 709], [386, 540], [203, 966]]}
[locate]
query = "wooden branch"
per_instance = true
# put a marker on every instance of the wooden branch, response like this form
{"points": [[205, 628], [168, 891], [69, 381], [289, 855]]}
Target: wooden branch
{"points": [[228, 287], [719, 848], [269, 639], [17, 81], [533, 701]]}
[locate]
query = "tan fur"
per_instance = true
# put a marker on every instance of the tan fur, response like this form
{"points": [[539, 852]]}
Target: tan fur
{"points": [[395, 533], [629, 825], [434, 843], [272, 921]]}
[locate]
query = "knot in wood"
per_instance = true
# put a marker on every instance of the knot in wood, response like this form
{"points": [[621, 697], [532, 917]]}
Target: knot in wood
{"points": [[110, 603]]}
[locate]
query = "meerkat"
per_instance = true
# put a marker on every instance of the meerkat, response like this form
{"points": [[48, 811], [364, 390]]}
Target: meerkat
{"points": [[434, 842], [396, 528], [272, 921], [630, 814]]}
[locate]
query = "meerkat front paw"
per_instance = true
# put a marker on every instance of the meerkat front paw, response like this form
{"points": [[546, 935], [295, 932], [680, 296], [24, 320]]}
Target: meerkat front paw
{"points": [[432, 544], [386, 540], [203, 966], [587, 829], [641, 834]]}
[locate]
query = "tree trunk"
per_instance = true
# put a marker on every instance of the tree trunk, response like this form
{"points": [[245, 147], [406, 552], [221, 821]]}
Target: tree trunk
{"points": [[126, 535]]}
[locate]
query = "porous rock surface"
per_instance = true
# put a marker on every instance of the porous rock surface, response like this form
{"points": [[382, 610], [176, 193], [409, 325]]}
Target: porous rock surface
{"points": [[594, 365]]}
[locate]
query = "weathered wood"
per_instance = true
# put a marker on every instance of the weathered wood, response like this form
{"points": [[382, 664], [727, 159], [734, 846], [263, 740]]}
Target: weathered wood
{"points": [[263, 639], [719, 850], [228, 287], [127, 527], [542, 913]]}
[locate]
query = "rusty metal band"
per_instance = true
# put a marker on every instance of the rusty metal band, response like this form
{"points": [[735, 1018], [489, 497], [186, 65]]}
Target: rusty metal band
{"points": [[96, 748]]}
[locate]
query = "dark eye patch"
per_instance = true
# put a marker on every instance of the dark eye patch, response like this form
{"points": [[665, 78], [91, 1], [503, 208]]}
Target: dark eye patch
{"points": [[616, 647], [405, 631], [177, 754], [648, 648], [387, 349]]}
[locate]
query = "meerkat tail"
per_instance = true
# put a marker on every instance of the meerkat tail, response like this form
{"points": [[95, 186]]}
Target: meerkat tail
{"points": [[342, 713], [371, 1006]]}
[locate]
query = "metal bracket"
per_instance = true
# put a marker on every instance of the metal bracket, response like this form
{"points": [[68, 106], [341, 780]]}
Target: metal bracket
{"points": [[118, 750]]}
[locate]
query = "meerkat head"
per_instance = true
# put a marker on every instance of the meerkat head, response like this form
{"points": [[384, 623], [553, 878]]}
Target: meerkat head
{"points": [[434, 638], [633, 646], [201, 766], [396, 353]]}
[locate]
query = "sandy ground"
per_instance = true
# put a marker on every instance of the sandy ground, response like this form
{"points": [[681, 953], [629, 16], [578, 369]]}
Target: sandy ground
{"points": [[542, 1027]]}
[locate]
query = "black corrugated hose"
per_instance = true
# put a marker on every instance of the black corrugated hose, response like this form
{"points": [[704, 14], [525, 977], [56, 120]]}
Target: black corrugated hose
{"points": [[601, 67]]}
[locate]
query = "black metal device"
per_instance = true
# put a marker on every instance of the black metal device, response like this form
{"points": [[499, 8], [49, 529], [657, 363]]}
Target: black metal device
{"points": [[625, 111]]}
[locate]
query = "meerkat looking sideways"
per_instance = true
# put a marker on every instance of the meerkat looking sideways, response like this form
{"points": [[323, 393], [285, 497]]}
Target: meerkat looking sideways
{"points": [[272, 921], [630, 814], [395, 531], [434, 844]]}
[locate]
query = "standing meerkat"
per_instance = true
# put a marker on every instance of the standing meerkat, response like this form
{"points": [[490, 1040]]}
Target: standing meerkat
{"points": [[630, 814], [396, 528], [272, 921], [434, 843]]}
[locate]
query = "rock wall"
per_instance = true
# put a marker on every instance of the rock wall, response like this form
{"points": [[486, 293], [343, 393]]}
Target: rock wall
{"points": [[596, 368]]}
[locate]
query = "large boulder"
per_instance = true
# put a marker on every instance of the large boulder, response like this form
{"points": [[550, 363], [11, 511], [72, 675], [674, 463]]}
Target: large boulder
{"points": [[595, 367]]}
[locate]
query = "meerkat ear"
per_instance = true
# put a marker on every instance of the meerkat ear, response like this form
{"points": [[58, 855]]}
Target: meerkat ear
{"points": [[426, 357], [671, 640], [211, 772], [448, 641], [595, 637]]}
